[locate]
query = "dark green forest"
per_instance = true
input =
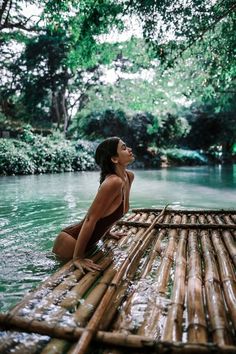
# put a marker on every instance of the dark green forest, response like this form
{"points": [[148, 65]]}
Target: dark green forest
{"points": [[159, 74]]}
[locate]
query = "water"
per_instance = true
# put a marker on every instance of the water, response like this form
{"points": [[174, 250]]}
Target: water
{"points": [[33, 209]]}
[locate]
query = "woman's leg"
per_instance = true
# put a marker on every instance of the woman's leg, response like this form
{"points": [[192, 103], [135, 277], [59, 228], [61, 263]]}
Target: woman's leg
{"points": [[64, 246]]}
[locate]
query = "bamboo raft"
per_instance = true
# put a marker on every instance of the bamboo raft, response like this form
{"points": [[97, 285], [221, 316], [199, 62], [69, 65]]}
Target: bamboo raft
{"points": [[168, 286]]}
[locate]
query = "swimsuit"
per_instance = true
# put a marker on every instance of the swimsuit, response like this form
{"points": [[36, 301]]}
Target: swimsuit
{"points": [[101, 226]]}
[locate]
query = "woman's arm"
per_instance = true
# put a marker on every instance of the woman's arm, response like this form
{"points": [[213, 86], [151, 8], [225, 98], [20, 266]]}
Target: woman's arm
{"points": [[107, 193]]}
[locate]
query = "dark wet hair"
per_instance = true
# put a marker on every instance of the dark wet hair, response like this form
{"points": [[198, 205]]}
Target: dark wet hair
{"points": [[104, 152]]}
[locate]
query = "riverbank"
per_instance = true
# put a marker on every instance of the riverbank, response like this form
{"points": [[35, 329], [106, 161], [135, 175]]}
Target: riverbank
{"points": [[36, 154]]}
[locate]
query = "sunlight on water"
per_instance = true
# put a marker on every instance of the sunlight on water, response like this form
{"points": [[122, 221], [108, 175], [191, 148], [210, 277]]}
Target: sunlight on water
{"points": [[33, 209]]}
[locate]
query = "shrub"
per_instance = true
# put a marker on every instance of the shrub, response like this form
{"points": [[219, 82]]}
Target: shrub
{"points": [[14, 158], [184, 157], [45, 155]]}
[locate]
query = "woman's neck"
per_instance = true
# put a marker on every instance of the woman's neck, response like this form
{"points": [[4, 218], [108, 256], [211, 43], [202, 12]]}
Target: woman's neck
{"points": [[121, 172]]}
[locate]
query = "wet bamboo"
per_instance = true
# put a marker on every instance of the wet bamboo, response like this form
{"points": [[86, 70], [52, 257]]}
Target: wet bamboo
{"points": [[94, 322], [183, 211], [202, 219], [197, 329], [233, 216], [47, 287], [136, 239], [219, 219], [228, 220], [215, 303], [122, 321], [117, 339], [173, 325], [193, 219], [118, 297], [167, 219], [230, 244], [150, 325], [56, 346], [154, 253], [154, 310], [63, 295], [71, 300], [203, 225], [73, 297], [210, 219], [227, 275], [89, 305]]}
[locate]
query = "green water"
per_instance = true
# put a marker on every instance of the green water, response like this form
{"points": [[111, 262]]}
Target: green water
{"points": [[33, 209]]}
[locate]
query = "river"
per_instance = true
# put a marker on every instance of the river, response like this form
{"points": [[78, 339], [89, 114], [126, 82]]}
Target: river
{"points": [[34, 208]]}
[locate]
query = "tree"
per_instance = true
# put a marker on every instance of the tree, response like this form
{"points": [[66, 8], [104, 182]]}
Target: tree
{"points": [[51, 58]]}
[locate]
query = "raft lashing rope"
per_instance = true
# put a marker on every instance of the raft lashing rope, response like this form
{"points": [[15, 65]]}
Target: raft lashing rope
{"points": [[168, 285]]}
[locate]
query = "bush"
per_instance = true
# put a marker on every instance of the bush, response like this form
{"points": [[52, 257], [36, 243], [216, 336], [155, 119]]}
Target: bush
{"points": [[14, 158], [85, 151], [184, 157], [44, 155], [105, 124]]}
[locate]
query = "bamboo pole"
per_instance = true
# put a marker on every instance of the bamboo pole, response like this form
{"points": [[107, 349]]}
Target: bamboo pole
{"points": [[233, 216], [227, 275], [173, 325], [210, 219], [71, 300], [115, 339], [203, 225], [47, 287], [56, 346], [73, 297], [136, 242], [230, 244], [184, 211], [228, 220], [119, 295], [86, 308], [219, 219], [154, 253], [196, 329], [122, 322], [51, 306], [150, 325], [94, 322], [217, 316], [126, 314], [202, 219]]}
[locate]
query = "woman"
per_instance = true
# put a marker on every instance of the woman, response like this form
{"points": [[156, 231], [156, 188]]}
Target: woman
{"points": [[109, 205]]}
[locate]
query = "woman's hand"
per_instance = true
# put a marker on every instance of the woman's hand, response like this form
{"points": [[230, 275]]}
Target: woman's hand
{"points": [[86, 264], [116, 235]]}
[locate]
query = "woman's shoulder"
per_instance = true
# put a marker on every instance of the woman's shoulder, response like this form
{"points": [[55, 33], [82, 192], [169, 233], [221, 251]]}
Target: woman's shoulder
{"points": [[112, 181]]}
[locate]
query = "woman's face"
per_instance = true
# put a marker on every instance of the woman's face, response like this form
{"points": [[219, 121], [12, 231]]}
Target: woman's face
{"points": [[125, 155]]}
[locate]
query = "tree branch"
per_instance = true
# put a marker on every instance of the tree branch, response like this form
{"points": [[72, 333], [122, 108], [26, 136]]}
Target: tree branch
{"points": [[203, 32], [3, 8]]}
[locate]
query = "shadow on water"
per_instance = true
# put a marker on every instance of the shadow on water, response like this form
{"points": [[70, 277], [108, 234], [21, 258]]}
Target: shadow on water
{"points": [[33, 209]]}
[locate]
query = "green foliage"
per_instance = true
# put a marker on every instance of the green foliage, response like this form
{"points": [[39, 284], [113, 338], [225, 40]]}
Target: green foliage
{"points": [[37, 154], [105, 124], [172, 130], [14, 158], [209, 129], [141, 134], [183, 157]]}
